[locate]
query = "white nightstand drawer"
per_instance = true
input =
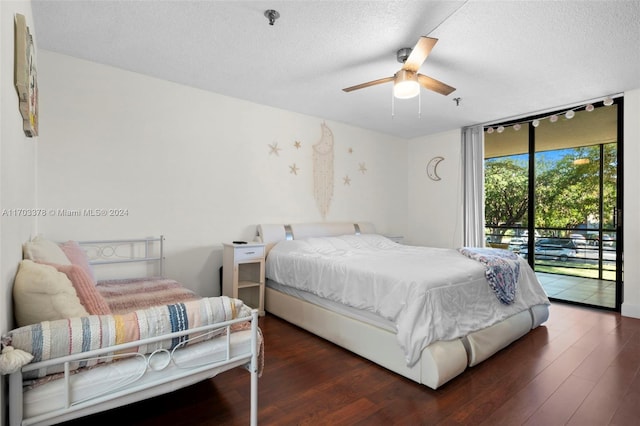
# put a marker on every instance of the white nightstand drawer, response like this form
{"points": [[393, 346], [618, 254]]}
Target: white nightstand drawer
{"points": [[248, 253]]}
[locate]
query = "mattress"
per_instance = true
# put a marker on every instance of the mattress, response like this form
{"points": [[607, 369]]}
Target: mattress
{"points": [[126, 375], [428, 294]]}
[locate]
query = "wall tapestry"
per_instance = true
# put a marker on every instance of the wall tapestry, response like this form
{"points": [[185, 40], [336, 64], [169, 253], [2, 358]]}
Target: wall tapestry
{"points": [[323, 173], [25, 76], [323, 170]]}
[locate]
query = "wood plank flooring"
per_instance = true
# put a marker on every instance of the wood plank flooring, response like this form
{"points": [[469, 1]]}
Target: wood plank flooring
{"points": [[582, 367]]}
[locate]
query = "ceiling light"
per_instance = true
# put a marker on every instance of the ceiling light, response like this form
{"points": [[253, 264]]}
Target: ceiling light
{"points": [[608, 101], [490, 130], [535, 123], [405, 84], [589, 108], [500, 129], [570, 114], [517, 127], [553, 118]]}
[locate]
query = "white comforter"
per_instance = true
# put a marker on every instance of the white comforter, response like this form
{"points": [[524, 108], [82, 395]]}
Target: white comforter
{"points": [[430, 294]]}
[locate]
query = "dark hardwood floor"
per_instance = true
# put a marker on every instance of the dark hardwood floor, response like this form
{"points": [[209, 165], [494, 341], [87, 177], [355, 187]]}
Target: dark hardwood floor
{"points": [[582, 367]]}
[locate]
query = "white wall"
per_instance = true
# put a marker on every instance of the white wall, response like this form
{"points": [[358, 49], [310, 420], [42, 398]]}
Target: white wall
{"points": [[194, 166], [17, 171], [631, 208], [435, 207]]}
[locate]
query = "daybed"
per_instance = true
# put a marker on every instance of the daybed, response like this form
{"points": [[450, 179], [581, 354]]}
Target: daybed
{"points": [[424, 313], [83, 346]]}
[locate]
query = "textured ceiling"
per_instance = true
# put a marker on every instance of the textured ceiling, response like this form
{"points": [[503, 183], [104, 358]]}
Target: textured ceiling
{"points": [[506, 58]]}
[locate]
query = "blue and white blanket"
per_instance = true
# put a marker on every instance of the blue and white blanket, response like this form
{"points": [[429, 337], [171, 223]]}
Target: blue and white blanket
{"points": [[502, 270]]}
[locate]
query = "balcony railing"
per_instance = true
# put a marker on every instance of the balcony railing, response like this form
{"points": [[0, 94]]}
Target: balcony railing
{"points": [[575, 252]]}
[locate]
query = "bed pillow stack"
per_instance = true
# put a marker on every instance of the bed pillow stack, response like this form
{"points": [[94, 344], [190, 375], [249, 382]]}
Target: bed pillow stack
{"points": [[77, 256], [43, 250], [55, 282], [41, 293], [85, 288]]}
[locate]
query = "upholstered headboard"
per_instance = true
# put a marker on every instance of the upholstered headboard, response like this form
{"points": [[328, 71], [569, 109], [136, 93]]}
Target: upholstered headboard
{"points": [[270, 234]]}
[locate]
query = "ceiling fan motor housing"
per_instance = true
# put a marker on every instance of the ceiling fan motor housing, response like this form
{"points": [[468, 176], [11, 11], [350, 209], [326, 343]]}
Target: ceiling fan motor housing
{"points": [[403, 54]]}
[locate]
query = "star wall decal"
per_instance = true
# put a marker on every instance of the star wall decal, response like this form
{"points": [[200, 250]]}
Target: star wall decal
{"points": [[347, 180], [293, 169], [362, 168], [274, 149], [297, 144]]}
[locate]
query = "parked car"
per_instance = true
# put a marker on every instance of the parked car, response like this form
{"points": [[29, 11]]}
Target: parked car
{"points": [[607, 240], [516, 244], [525, 235], [578, 239], [561, 249]]}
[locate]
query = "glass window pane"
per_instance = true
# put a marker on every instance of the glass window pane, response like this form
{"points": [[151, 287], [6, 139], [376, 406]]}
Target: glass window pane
{"points": [[506, 187]]}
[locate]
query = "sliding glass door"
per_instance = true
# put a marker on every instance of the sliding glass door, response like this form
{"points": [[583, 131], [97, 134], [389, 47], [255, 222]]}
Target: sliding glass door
{"points": [[552, 195]]}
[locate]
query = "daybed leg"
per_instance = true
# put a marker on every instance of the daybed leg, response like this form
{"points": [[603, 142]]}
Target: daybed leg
{"points": [[254, 368], [15, 398]]}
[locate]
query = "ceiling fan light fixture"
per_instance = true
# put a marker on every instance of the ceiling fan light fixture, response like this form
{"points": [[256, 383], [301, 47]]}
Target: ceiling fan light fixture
{"points": [[405, 84]]}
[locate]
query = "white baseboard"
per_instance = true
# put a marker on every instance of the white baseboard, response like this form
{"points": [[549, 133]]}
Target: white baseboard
{"points": [[630, 310]]}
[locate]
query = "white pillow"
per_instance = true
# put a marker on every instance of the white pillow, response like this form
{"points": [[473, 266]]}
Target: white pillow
{"points": [[41, 293], [42, 250]]}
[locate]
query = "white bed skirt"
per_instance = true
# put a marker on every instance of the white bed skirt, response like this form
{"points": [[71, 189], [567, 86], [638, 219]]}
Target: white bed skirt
{"points": [[440, 362]]}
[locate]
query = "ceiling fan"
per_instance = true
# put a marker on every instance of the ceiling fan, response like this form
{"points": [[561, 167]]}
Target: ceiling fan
{"points": [[407, 81]]}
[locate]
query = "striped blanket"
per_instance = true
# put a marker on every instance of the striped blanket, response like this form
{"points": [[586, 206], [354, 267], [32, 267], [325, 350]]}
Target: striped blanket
{"points": [[502, 270], [127, 295], [53, 339]]}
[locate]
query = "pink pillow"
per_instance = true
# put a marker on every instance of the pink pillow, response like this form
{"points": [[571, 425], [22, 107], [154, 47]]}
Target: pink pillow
{"points": [[86, 289], [79, 257]]}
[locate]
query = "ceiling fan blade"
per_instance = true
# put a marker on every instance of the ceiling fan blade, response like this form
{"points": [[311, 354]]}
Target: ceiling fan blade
{"points": [[419, 53], [435, 85], [368, 84]]}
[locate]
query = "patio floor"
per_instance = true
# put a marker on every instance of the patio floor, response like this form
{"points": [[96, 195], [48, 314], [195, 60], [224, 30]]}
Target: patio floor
{"points": [[577, 289]]}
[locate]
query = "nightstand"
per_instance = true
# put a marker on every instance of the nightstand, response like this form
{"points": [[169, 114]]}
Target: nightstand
{"points": [[243, 273]]}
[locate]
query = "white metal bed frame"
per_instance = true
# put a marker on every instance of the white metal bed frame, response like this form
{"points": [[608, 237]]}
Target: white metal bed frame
{"points": [[136, 250], [131, 392], [440, 362]]}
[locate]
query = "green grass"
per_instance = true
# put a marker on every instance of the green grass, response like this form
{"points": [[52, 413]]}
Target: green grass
{"points": [[575, 270]]}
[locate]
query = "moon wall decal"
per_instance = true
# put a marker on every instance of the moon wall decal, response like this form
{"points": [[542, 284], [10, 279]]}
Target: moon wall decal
{"points": [[432, 166]]}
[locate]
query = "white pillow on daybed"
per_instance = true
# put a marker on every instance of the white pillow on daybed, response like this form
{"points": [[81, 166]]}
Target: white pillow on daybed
{"points": [[41, 293], [43, 250]]}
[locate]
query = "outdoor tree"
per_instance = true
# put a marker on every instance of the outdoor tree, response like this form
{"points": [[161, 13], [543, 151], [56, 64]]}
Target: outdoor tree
{"points": [[567, 190], [506, 195]]}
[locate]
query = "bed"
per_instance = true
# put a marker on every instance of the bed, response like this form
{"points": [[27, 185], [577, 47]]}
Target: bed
{"points": [[425, 313], [111, 342]]}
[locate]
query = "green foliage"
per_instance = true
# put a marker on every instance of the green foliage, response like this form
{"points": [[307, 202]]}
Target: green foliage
{"points": [[567, 192], [506, 192]]}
